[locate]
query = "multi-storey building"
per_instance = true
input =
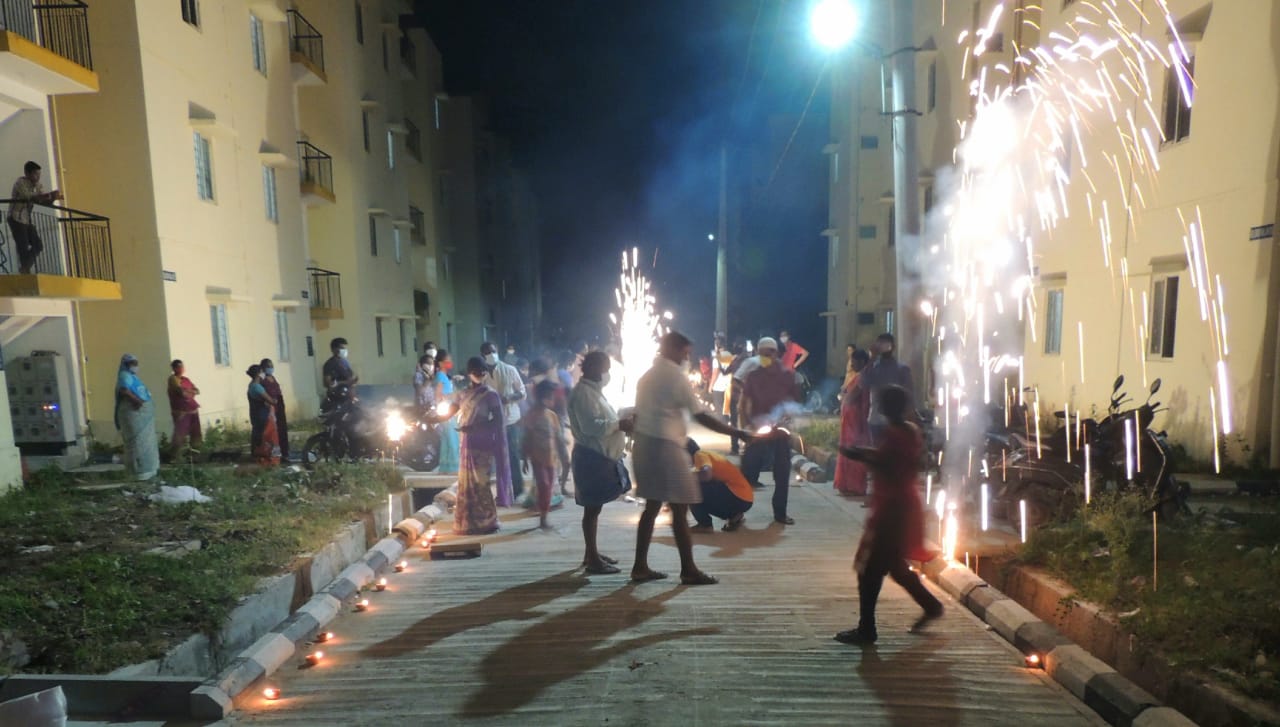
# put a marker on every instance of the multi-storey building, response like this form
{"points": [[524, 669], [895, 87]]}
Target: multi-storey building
{"points": [[1213, 166]]}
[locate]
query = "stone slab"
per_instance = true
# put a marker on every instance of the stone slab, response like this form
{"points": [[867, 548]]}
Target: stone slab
{"points": [[1116, 699], [98, 695], [982, 598], [1073, 667], [257, 615], [1006, 617], [1038, 637], [1162, 717]]}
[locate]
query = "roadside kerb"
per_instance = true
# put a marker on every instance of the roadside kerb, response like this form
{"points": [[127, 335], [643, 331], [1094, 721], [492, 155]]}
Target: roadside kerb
{"points": [[216, 697], [1104, 690]]}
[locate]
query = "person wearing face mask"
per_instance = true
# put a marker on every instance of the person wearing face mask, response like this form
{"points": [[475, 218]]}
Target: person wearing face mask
{"points": [[337, 370], [765, 393], [599, 474], [511, 357], [793, 354], [272, 385], [429, 349], [135, 417], [660, 460], [506, 380], [449, 445], [484, 455], [185, 411], [264, 439], [884, 371], [424, 384]]}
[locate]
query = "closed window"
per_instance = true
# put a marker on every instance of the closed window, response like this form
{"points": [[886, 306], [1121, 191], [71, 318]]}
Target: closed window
{"points": [[870, 142], [373, 235], [931, 99], [395, 238], [204, 168], [391, 150], [866, 232], [418, 231], [1177, 101], [835, 167], [892, 227], [259, 42], [1164, 316], [282, 335], [221, 340], [269, 193], [889, 321], [1053, 322], [364, 128], [377, 325], [406, 338], [191, 12], [359, 23]]}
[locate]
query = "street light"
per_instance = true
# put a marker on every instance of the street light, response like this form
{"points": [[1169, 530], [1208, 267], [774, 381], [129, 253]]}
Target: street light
{"points": [[833, 23]]}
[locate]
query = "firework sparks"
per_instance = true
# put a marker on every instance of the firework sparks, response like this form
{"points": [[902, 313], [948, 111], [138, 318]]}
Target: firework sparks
{"points": [[638, 326]]}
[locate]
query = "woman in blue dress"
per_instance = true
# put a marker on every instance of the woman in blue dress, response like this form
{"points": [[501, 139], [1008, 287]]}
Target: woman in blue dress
{"points": [[449, 453], [136, 420]]}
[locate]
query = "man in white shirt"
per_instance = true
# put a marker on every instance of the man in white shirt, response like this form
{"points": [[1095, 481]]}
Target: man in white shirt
{"points": [[507, 382], [660, 460]]}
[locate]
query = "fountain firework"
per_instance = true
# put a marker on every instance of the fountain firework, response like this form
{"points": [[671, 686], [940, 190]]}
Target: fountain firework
{"points": [[1009, 190], [637, 327]]}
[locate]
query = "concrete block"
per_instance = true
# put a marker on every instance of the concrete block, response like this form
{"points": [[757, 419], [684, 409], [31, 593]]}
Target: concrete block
{"points": [[1073, 667], [1162, 717], [145, 669], [192, 658], [341, 589], [959, 581], [207, 702], [390, 548], [1116, 699], [237, 677], [358, 573], [981, 598], [1038, 637], [1006, 617], [299, 627], [257, 615], [934, 568], [86, 695], [323, 607], [270, 651], [411, 529], [48, 707]]}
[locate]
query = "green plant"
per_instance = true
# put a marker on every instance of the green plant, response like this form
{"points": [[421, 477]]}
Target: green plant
{"points": [[824, 433]]}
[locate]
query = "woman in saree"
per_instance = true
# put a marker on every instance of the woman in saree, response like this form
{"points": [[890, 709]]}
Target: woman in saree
{"points": [[449, 427], [264, 439], [485, 463], [851, 475], [136, 420]]}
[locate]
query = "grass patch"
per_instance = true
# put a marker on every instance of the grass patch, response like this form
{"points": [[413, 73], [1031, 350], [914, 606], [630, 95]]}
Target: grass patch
{"points": [[1217, 608], [97, 601], [824, 433]]}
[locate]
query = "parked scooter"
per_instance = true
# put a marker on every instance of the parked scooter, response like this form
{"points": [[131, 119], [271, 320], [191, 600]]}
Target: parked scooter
{"points": [[349, 433]]}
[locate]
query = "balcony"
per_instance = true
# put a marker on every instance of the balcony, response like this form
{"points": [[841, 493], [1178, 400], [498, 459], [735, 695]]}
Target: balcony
{"points": [[326, 294], [44, 46], [75, 261], [306, 51], [316, 171], [408, 59]]}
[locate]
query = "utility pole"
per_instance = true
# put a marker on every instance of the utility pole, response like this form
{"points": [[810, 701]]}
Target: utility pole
{"points": [[906, 188], [722, 243]]}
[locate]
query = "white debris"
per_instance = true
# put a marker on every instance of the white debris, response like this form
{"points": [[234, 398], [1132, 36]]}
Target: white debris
{"points": [[177, 495]]}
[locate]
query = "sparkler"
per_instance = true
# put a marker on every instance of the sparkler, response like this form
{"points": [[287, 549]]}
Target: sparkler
{"points": [[1022, 513], [986, 501], [638, 326], [1088, 474]]}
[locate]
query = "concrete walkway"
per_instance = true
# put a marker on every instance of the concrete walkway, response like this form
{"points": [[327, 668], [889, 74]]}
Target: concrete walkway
{"points": [[521, 637]]}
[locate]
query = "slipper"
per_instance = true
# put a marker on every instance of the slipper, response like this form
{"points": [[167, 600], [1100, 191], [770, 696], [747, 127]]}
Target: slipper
{"points": [[924, 620], [734, 523], [602, 570], [700, 579], [647, 576], [610, 561], [855, 637]]}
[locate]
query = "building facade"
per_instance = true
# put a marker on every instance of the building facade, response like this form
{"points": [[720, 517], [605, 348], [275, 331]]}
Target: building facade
{"points": [[1143, 308]]}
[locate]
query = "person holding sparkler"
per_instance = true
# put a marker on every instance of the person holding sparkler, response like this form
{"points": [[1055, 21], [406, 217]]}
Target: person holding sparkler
{"points": [[766, 393], [894, 532]]}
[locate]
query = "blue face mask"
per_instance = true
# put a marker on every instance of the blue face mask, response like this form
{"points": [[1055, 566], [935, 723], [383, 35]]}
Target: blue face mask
{"points": [[269, 372]]}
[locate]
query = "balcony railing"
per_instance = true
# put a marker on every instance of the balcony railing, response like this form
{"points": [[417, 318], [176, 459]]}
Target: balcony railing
{"points": [[73, 243], [326, 289], [315, 169], [305, 40], [409, 56], [59, 26]]}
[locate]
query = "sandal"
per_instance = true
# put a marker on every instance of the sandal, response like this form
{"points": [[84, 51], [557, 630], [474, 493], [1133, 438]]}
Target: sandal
{"points": [[604, 569], [699, 579], [646, 576]]}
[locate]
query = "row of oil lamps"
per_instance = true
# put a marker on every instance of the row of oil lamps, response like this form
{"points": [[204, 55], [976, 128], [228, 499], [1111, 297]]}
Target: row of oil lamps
{"points": [[316, 656]]}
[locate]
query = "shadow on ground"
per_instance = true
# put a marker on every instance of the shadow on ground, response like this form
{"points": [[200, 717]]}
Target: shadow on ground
{"points": [[566, 645], [913, 685], [732, 545]]}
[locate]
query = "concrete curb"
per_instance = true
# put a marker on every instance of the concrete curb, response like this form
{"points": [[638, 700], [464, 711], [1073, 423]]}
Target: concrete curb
{"points": [[216, 697], [1116, 699], [806, 468]]}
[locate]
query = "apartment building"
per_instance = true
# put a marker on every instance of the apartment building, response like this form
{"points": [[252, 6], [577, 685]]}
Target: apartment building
{"points": [[1217, 165]]}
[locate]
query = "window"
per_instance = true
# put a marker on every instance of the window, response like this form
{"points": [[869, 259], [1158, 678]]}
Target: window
{"points": [[359, 24], [1164, 316], [418, 229], [931, 99], [437, 112], [391, 150], [282, 335], [204, 168], [364, 128], [1053, 321], [377, 325], [406, 338], [373, 235], [1177, 101], [893, 230], [395, 237], [269, 193], [446, 263], [870, 142], [221, 346], [866, 232], [386, 63], [259, 43], [866, 318], [191, 12], [835, 167], [889, 321]]}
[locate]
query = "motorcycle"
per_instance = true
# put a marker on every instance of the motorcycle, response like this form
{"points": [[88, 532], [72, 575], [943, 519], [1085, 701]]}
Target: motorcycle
{"points": [[349, 433]]}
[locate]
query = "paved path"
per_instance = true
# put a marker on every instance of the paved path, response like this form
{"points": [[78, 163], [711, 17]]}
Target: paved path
{"points": [[520, 637]]}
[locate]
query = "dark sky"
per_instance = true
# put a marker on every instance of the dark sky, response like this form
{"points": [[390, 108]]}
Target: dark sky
{"points": [[618, 108]]}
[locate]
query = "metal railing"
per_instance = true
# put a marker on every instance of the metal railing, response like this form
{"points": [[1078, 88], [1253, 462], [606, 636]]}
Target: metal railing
{"points": [[305, 40], [314, 166], [60, 26], [326, 288], [409, 54], [70, 242]]}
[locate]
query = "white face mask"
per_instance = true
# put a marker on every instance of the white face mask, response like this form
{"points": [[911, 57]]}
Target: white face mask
{"points": [[784, 339], [604, 379], [491, 358], [431, 352], [133, 369], [427, 367], [342, 353]]}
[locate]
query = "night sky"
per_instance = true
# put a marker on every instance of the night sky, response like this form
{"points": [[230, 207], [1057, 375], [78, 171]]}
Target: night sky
{"points": [[618, 110]]}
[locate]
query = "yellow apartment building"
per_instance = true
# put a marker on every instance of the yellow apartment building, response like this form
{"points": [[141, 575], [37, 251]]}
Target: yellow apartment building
{"points": [[1219, 163], [46, 55]]}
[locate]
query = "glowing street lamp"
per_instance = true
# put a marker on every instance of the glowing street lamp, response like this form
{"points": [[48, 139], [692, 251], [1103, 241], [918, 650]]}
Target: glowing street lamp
{"points": [[833, 23]]}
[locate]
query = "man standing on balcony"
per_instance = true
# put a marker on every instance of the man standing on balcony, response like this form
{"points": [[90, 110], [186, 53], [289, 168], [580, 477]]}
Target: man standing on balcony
{"points": [[506, 379], [27, 191]]}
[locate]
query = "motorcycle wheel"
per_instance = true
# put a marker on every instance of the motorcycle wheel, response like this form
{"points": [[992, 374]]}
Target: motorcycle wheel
{"points": [[316, 450], [813, 402]]}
